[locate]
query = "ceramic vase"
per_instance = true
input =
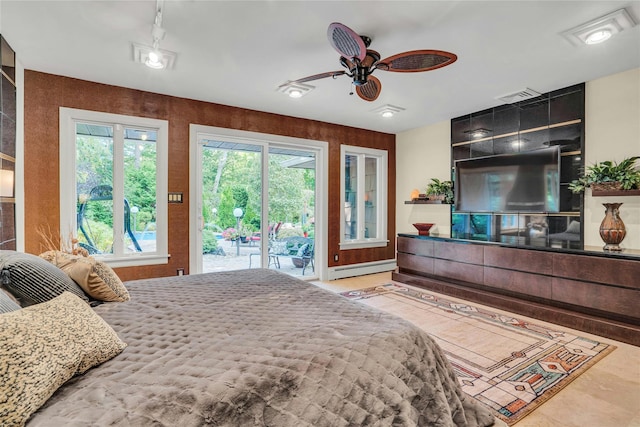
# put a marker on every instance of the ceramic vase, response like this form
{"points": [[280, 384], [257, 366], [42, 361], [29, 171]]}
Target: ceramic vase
{"points": [[612, 228]]}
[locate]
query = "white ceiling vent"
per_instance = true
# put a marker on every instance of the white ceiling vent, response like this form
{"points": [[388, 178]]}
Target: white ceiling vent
{"points": [[521, 95]]}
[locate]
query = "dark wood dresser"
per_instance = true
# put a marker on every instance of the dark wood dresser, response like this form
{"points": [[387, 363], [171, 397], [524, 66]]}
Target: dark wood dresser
{"points": [[591, 291]]}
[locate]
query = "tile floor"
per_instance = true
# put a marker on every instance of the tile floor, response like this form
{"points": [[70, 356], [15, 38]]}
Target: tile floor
{"points": [[606, 395]]}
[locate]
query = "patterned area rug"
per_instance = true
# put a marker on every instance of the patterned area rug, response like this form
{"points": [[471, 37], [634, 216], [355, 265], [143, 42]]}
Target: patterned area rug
{"points": [[509, 364]]}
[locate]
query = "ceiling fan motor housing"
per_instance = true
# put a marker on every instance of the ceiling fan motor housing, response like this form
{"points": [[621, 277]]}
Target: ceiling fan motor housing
{"points": [[360, 75]]}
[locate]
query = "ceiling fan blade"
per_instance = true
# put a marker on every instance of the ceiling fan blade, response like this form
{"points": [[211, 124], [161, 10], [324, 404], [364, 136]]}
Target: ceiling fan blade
{"points": [[346, 41], [319, 76], [370, 90], [417, 60]]}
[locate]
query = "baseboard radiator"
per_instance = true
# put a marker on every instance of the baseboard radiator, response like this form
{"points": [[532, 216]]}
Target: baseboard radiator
{"points": [[361, 269]]}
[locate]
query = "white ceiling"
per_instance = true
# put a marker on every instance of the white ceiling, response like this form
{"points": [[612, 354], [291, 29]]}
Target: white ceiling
{"points": [[238, 52]]}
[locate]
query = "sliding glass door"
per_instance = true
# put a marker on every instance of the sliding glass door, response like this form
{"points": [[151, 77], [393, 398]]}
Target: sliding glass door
{"points": [[255, 205]]}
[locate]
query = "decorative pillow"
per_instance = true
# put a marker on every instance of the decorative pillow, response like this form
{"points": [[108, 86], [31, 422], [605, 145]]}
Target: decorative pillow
{"points": [[302, 250], [574, 227], [43, 346], [32, 280], [279, 248], [95, 277], [7, 303]]}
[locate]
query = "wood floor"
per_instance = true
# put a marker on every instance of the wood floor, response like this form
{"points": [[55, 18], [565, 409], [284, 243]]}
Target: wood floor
{"points": [[606, 395]]}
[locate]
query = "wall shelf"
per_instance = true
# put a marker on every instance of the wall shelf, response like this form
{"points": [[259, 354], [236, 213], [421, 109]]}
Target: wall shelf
{"points": [[604, 193], [423, 202]]}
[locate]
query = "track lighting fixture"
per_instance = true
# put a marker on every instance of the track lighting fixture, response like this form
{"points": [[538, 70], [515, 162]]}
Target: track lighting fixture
{"points": [[153, 56]]}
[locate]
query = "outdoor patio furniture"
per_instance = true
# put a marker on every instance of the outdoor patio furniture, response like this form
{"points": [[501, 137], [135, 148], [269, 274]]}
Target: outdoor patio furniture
{"points": [[299, 249]]}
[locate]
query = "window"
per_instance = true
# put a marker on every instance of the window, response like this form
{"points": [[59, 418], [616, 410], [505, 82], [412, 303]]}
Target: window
{"points": [[113, 186], [363, 219]]}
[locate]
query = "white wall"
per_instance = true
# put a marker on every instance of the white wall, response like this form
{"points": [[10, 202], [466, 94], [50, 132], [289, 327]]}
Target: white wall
{"points": [[422, 154], [612, 132]]}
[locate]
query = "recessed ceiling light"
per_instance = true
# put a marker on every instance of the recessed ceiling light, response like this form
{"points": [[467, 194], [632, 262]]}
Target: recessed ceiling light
{"points": [[600, 29], [295, 90], [387, 111], [598, 37], [153, 58]]}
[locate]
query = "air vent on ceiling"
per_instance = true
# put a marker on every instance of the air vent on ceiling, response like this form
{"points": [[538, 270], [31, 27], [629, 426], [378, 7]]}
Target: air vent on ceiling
{"points": [[521, 95]]}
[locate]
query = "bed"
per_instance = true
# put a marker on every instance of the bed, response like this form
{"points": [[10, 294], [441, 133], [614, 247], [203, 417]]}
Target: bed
{"points": [[258, 348]]}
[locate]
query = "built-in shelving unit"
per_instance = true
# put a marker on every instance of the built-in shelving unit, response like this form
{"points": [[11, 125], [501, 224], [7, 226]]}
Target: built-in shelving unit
{"points": [[615, 193], [552, 119], [423, 202], [7, 146]]}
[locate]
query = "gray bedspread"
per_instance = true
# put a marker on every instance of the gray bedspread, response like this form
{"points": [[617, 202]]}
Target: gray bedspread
{"points": [[260, 348]]}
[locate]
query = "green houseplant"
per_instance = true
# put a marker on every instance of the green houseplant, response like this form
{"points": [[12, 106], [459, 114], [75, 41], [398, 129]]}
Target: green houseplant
{"points": [[608, 175], [440, 190]]}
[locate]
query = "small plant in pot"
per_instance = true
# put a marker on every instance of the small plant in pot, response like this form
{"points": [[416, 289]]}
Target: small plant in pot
{"points": [[609, 175], [440, 190]]}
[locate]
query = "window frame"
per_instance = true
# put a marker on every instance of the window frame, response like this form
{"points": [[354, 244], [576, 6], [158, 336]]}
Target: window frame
{"points": [[68, 195], [382, 162]]}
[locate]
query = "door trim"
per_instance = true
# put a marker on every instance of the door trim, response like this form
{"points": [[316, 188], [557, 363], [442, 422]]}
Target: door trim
{"points": [[195, 179]]}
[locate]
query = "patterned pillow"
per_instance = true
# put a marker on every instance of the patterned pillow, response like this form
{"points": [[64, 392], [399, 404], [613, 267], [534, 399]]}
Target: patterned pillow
{"points": [[43, 346], [279, 248], [95, 277], [302, 250], [32, 280], [7, 303]]}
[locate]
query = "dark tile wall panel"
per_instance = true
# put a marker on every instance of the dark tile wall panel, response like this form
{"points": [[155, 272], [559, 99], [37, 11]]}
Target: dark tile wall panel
{"points": [[7, 142]]}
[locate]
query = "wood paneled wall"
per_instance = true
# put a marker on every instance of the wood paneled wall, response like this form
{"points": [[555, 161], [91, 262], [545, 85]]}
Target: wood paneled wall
{"points": [[44, 94]]}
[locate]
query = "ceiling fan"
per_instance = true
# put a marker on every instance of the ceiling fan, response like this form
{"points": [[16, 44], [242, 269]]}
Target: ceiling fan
{"points": [[361, 62]]}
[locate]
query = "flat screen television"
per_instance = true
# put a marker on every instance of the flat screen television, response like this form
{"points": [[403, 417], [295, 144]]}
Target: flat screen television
{"points": [[521, 182]]}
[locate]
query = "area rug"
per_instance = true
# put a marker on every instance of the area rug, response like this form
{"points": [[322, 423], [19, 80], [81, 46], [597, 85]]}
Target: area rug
{"points": [[509, 364]]}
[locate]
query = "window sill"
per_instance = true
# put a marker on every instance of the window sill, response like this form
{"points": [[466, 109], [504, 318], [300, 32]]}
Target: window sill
{"points": [[133, 260], [370, 243]]}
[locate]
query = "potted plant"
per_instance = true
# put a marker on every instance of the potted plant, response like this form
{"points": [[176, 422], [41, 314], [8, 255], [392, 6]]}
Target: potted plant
{"points": [[245, 233], [440, 190], [230, 234], [609, 175]]}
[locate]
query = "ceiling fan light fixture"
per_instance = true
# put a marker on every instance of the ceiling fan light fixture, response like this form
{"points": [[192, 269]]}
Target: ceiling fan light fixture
{"points": [[387, 111], [295, 90], [600, 29]]}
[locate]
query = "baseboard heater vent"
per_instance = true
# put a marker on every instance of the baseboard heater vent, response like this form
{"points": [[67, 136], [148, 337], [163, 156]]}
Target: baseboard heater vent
{"points": [[361, 269]]}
